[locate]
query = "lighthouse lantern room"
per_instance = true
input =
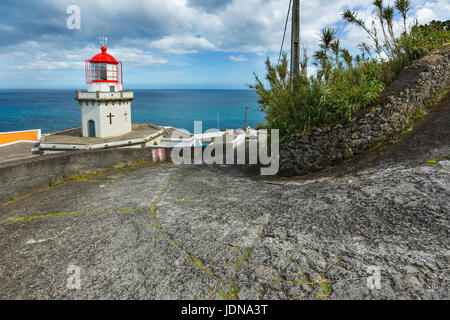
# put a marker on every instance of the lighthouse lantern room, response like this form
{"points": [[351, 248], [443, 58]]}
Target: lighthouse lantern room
{"points": [[105, 107], [103, 73]]}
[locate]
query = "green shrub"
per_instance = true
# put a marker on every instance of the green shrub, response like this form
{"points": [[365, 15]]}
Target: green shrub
{"points": [[425, 38], [336, 92]]}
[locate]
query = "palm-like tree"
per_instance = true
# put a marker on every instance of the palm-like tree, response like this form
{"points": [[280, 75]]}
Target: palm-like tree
{"points": [[321, 58], [304, 63], [352, 17], [349, 16], [345, 54], [365, 48], [336, 48], [379, 11], [404, 6], [327, 36], [378, 46], [388, 15]]}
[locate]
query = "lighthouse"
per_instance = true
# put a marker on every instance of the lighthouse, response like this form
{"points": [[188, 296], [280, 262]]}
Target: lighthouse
{"points": [[105, 106], [105, 114]]}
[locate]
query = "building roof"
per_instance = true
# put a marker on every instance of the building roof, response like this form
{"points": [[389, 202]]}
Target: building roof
{"points": [[103, 57], [72, 139]]}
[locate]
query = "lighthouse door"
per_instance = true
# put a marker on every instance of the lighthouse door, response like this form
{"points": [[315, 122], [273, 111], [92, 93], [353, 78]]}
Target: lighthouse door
{"points": [[91, 128]]}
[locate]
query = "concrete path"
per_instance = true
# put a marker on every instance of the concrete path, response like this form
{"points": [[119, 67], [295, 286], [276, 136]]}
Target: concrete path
{"points": [[217, 232]]}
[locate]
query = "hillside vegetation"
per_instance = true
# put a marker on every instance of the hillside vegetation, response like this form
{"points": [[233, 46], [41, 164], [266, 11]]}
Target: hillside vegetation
{"points": [[344, 83]]}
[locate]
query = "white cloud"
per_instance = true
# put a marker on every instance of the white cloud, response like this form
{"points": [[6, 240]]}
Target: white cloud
{"points": [[173, 26], [46, 57], [425, 14], [144, 33], [137, 57], [181, 44], [239, 58], [6, 28]]}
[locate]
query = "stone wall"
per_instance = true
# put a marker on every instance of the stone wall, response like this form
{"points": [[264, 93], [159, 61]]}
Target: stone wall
{"points": [[412, 91]]}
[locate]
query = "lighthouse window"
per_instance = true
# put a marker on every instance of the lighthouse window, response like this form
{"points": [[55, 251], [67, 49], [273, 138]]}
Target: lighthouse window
{"points": [[112, 72], [103, 72], [100, 72]]}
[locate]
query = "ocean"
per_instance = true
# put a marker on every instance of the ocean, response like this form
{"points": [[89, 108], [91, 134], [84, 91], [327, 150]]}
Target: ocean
{"points": [[52, 110]]}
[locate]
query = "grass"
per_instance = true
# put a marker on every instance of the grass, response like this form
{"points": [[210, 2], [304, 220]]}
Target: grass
{"points": [[183, 201], [298, 282], [130, 210], [435, 161], [9, 200], [230, 295], [326, 288], [44, 216], [437, 98], [22, 219], [241, 261], [198, 263]]}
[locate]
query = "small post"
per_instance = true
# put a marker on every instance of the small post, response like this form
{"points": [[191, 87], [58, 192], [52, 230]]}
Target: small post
{"points": [[245, 123], [218, 123]]}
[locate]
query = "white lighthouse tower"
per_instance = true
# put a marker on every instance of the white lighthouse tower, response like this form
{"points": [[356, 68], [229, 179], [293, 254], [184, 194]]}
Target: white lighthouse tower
{"points": [[105, 107]]}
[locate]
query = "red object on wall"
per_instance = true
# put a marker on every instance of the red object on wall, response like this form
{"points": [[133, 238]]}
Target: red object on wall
{"points": [[159, 154], [103, 67]]}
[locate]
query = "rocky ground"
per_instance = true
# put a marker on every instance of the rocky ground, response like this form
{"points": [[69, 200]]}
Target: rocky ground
{"points": [[222, 232]]}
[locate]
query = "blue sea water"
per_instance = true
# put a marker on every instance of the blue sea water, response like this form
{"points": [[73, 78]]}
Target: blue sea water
{"points": [[52, 110]]}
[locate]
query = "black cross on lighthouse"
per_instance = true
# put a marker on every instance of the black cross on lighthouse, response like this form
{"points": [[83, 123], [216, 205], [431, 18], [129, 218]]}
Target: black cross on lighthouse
{"points": [[110, 116]]}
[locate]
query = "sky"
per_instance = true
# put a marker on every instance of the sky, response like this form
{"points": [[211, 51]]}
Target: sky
{"points": [[169, 44]]}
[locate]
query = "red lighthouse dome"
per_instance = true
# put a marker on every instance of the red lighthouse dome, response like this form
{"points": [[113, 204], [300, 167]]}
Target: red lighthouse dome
{"points": [[104, 72], [104, 57]]}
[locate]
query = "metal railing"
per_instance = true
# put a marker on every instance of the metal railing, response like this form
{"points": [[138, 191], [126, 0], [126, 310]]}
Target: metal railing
{"points": [[86, 95]]}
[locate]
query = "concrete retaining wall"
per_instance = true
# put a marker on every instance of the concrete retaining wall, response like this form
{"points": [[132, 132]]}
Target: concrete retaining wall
{"points": [[18, 177], [406, 99]]}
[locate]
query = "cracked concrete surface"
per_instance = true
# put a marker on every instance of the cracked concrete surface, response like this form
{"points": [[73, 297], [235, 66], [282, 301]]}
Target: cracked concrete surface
{"points": [[214, 232]]}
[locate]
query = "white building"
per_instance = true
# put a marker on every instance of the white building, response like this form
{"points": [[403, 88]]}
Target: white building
{"points": [[105, 107]]}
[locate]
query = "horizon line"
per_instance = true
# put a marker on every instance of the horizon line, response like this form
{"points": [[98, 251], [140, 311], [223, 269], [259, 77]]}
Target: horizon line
{"points": [[211, 89]]}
